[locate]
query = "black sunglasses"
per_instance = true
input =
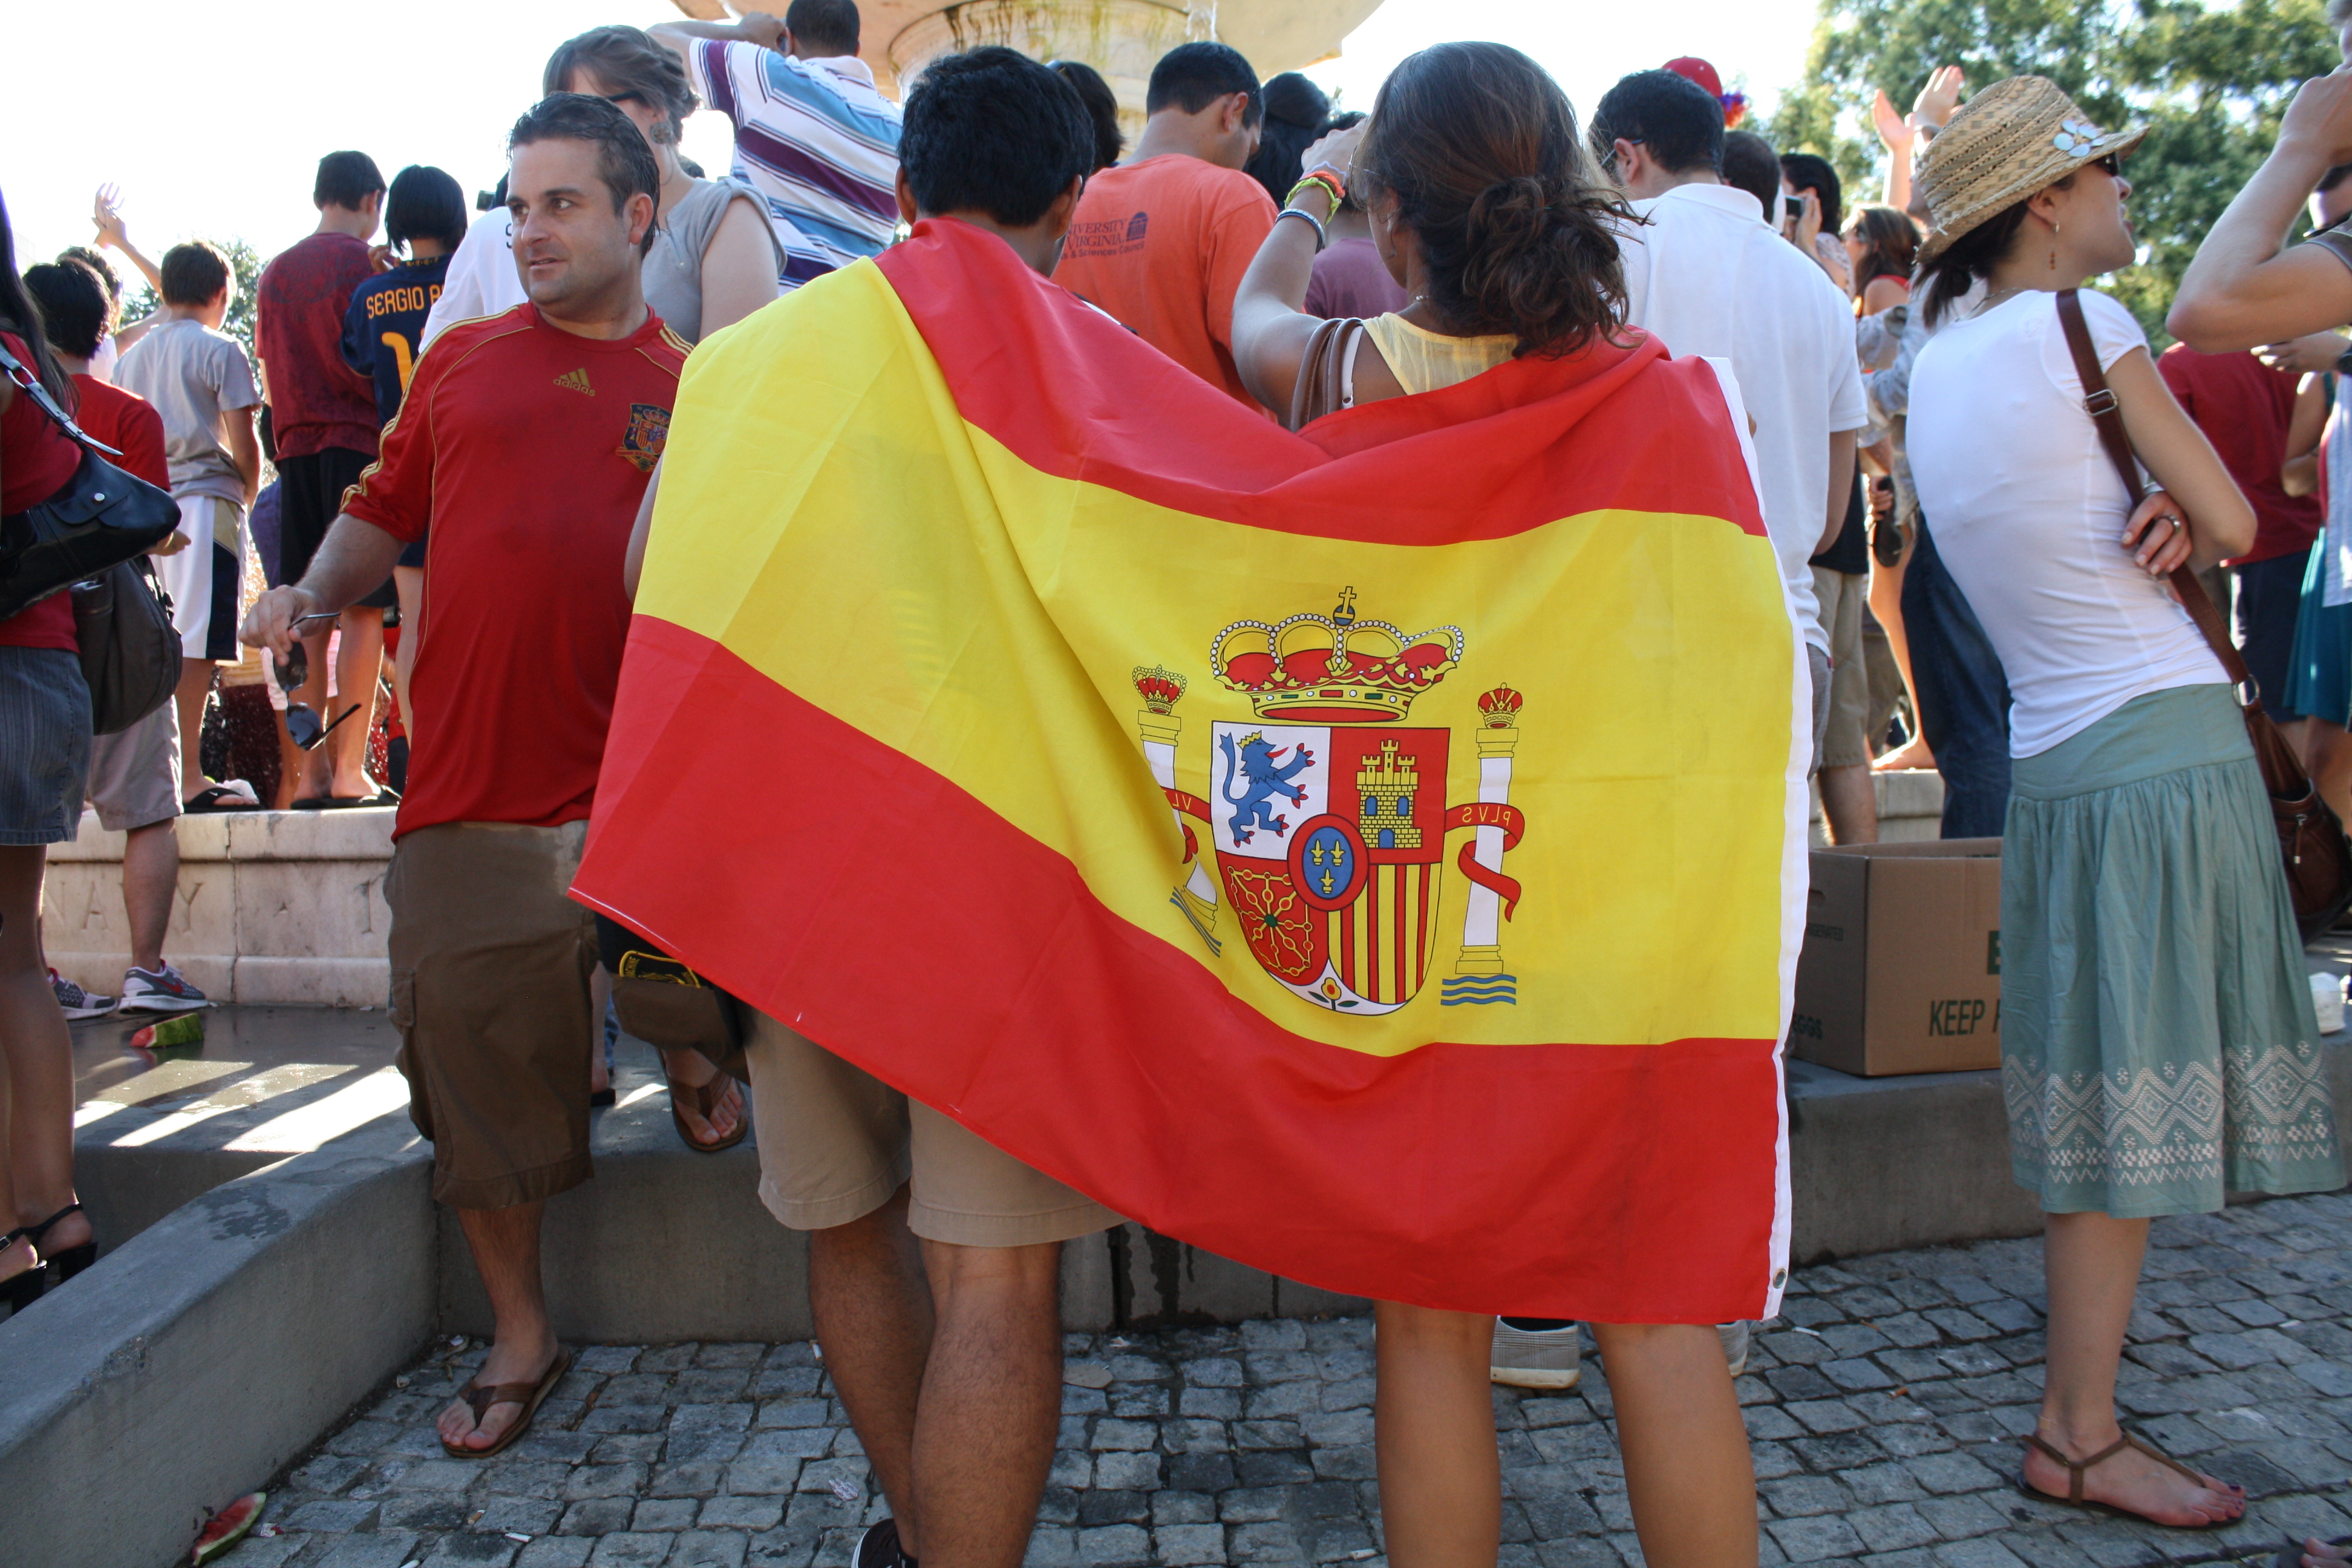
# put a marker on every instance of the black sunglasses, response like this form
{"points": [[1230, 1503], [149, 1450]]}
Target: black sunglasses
{"points": [[2113, 164]]}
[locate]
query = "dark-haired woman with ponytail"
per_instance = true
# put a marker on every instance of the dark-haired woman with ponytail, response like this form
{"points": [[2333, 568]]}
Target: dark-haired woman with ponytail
{"points": [[1489, 211]]}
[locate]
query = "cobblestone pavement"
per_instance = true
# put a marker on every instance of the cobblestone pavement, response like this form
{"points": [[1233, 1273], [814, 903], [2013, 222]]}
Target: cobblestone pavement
{"points": [[1885, 1403]]}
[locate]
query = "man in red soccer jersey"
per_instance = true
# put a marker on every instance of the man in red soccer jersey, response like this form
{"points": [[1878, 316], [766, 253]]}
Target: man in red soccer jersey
{"points": [[525, 440]]}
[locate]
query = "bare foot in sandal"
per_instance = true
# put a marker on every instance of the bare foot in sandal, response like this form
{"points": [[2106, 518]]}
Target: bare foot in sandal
{"points": [[2127, 1476], [695, 1079], [518, 1369]]}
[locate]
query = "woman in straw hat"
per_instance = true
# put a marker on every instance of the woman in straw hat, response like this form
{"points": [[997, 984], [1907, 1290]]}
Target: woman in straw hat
{"points": [[2158, 1045]]}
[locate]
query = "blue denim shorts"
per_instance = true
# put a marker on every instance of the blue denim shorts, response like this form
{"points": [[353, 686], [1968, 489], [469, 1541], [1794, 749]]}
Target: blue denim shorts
{"points": [[43, 744]]}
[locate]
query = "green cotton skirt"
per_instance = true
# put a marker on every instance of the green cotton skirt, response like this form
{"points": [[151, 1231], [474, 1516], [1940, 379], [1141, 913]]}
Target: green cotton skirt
{"points": [[2158, 1042]]}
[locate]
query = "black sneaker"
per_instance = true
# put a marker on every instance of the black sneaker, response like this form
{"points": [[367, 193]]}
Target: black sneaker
{"points": [[878, 1547]]}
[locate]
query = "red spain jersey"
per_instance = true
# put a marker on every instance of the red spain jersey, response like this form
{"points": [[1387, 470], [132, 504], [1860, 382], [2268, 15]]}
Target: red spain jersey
{"points": [[526, 449]]}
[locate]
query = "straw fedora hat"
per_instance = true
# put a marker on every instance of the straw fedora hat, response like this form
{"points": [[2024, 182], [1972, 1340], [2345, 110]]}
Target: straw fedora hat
{"points": [[2016, 137]]}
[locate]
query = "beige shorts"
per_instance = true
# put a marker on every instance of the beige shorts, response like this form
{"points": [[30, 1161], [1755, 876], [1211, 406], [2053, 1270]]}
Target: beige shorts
{"points": [[489, 992], [1846, 743], [134, 774], [836, 1142]]}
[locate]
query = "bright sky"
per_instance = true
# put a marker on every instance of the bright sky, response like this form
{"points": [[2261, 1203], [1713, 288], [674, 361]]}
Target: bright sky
{"points": [[212, 118]]}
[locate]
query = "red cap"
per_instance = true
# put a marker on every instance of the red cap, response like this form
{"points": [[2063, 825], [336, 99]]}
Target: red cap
{"points": [[1699, 71]]}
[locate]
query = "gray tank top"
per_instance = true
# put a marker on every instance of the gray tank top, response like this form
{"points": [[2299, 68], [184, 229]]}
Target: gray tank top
{"points": [[673, 268]]}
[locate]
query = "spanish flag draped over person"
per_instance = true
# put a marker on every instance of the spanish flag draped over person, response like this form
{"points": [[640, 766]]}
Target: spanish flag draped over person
{"points": [[1375, 856]]}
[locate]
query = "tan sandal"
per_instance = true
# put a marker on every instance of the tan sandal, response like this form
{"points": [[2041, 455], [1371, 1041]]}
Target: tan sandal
{"points": [[479, 1397], [705, 1098], [2077, 1468]]}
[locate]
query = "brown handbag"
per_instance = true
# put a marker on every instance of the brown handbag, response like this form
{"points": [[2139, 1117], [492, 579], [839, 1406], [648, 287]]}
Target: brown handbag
{"points": [[2311, 840], [1322, 387]]}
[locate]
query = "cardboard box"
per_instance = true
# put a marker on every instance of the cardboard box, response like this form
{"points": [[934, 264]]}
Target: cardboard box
{"points": [[1901, 967]]}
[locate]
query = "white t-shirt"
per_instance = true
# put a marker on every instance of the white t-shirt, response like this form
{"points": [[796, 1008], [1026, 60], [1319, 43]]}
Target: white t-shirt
{"points": [[1708, 275], [481, 280], [2029, 516]]}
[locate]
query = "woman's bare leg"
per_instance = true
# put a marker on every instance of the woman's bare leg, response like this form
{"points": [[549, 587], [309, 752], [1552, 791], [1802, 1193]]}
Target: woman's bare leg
{"points": [[2093, 1262], [1441, 1476], [36, 1062], [1688, 1475], [1886, 603]]}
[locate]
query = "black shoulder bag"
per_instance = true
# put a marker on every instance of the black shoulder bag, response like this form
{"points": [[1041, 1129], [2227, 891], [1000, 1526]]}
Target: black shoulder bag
{"points": [[102, 518], [92, 536]]}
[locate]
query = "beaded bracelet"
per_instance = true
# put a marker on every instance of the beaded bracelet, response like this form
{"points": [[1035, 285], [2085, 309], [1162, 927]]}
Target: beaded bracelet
{"points": [[1322, 238]]}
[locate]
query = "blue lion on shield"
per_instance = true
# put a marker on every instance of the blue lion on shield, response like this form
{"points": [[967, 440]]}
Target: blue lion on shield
{"points": [[1260, 764]]}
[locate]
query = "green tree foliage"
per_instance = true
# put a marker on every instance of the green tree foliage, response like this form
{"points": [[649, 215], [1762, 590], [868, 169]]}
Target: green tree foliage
{"points": [[2208, 80], [140, 297]]}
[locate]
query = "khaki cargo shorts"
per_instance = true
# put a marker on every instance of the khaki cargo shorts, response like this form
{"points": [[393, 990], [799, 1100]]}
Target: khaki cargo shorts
{"points": [[1844, 737], [489, 990], [836, 1142], [134, 774]]}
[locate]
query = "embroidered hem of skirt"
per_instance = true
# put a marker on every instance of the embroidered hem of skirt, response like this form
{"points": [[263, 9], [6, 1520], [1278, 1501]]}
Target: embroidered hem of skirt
{"points": [[2159, 1046]]}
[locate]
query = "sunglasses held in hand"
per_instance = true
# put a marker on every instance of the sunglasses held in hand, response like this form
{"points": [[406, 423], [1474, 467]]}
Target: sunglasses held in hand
{"points": [[302, 725]]}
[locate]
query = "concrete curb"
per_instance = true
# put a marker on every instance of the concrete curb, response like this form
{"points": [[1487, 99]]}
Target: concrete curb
{"points": [[214, 1347]]}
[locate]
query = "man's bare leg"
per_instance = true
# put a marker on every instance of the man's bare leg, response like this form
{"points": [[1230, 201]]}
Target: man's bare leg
{"points": [[150, 879], [195, 686], [1688, 1476], [991, 1405], [505, 1245], [874, 1321], [600, 997], [1849, 804], [317, 771], [359, 664]]}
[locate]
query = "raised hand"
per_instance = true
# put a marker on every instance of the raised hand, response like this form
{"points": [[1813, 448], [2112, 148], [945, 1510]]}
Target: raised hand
{"points": [[106, 215], [1941, 99], [1337, 151], [1894, 132], [2320, 118]]}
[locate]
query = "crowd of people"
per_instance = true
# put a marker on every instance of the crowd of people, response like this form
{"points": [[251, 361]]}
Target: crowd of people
{"points": [[484, 402]]}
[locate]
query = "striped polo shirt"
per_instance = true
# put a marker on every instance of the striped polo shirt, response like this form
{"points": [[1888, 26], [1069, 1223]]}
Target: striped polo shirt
{"points": [[814, 138]]}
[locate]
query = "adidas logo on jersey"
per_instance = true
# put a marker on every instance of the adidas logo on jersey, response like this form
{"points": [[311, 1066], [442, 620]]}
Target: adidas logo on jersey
{"points": [[575, 381]]}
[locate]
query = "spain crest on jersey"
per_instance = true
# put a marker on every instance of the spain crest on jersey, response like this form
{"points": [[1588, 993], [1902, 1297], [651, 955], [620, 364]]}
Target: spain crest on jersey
{"points": [[1328, 820]]}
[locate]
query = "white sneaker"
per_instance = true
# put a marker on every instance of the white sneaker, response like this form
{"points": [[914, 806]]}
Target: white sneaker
{"points": [[163, 991], [1537, 1358], [77, 1002], [1734, 1345]]}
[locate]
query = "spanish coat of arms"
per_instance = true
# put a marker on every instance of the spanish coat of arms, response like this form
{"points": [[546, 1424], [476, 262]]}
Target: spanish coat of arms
{"points": [[1327, 817]]}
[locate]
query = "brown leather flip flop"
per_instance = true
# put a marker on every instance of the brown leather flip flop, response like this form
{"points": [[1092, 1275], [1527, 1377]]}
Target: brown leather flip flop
{"points": [[2077, 1468], [479, 1397], [705, 1098]]}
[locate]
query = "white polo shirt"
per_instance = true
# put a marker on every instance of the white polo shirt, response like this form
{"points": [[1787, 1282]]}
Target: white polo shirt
{"points": [[1708, 275]]}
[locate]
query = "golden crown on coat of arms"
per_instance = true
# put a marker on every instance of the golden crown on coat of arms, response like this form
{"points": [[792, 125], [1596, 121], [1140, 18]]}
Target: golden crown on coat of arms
{"points": [[1334, 668]]}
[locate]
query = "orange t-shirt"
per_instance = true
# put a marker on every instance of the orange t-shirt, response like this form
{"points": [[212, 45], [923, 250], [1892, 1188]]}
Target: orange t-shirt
{"points": [[1162, 246]]}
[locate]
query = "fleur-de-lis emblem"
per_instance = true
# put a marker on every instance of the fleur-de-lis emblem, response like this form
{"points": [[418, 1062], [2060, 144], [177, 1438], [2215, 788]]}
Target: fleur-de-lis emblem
{"points": [[2075, 136]]}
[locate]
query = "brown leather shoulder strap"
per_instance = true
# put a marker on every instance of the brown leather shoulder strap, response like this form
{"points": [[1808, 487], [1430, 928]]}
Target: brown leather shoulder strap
{"points": [[2099, 403], [1321, 387]]}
